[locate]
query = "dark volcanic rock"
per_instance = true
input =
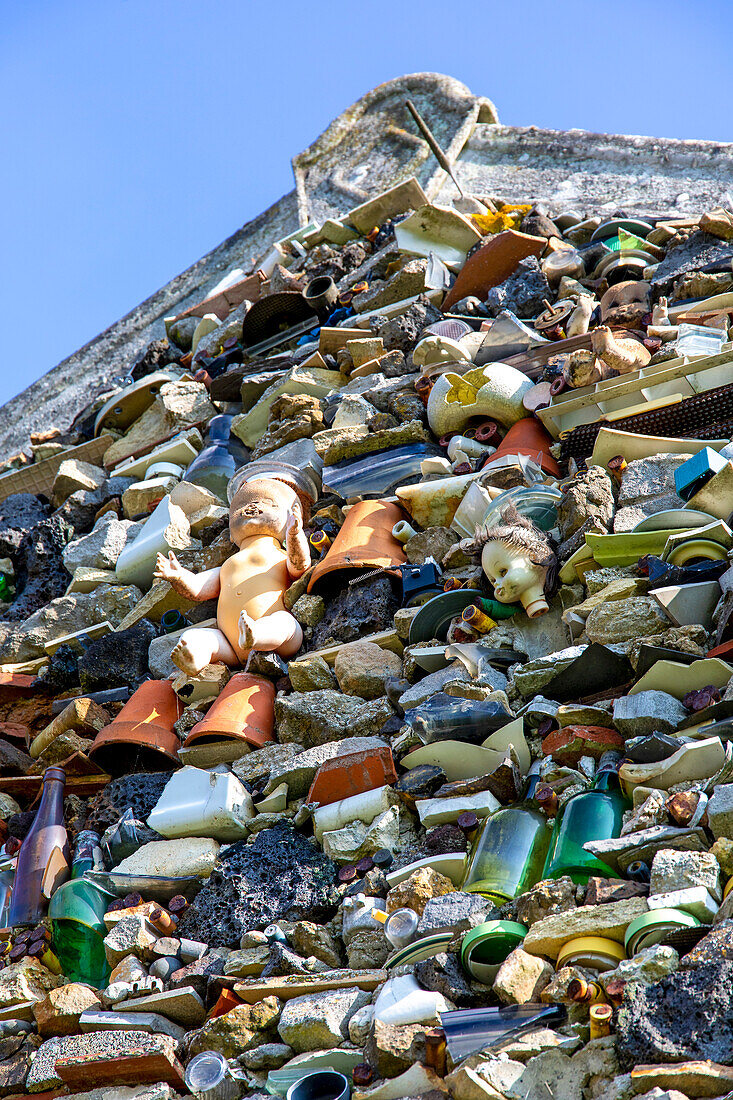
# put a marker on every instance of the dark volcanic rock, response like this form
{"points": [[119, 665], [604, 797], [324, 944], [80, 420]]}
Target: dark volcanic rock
{"points": [[523, 292], [18, 514], [138, 792], [444, 974], [41, 575], [62, 672], [363, 609], [157, 356], [81, 508], [116, 660], [280, 876], [687, 1015], [402, 333]]}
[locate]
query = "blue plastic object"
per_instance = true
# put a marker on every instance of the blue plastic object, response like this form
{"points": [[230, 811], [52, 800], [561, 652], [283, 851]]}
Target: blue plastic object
{"points": [[690, 477]]}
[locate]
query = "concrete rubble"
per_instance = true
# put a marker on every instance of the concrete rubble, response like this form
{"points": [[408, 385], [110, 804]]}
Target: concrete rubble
{"points": [[464, 829]]}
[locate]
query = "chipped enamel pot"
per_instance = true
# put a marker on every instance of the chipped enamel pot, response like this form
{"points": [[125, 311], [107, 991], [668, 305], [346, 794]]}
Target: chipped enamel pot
{"points": [[494, 392]]}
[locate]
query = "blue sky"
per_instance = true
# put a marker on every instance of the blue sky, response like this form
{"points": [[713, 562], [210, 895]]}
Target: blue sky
{"points": [[138, 134]]}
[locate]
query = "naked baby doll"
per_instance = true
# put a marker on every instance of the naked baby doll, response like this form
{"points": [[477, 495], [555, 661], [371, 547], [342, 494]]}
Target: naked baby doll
{"points": [[263, 515]]}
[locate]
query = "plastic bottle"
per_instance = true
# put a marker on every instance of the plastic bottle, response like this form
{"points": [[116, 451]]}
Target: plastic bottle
{"points": [[509, 850], [42, 856], [221, 456], [596, 814]]}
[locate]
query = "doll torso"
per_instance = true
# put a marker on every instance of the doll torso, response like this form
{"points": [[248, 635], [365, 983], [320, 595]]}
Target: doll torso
{"points": [[252, 580]]}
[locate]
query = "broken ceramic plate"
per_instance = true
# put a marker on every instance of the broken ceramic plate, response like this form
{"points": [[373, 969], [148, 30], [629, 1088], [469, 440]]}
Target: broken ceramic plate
{"points": [[695, 760], [689, 604], [507, 336], [677, 678], [650, 654], [437, 229], [596, 669], [452, 865], [672, 519], [651, 748]]}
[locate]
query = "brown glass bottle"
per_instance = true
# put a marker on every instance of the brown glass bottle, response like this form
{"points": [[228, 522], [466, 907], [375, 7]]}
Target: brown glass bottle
{"points": [[28, 904]]}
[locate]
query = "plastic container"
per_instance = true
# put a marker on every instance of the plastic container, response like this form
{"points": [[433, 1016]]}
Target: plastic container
{"points": [[401, 927], [509, 851], [700, 340], [202, 803], [209, 1077], [591, 952], [487, 946], [596, 814]]}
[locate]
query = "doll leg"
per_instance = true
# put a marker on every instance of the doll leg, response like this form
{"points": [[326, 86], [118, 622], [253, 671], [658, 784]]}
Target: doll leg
{"points": [[201, 646], [279, 633]]}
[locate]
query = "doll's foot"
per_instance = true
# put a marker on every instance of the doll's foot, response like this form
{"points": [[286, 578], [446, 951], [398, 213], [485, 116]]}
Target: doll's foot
{"points": [[246, 631], [187, 657]]}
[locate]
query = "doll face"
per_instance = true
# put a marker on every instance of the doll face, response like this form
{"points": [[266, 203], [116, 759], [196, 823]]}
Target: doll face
{"points": [[510, 572], [262, 508]]}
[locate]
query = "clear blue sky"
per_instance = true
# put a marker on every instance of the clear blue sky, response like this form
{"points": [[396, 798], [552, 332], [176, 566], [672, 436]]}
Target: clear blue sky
{"points": [[138, 134]]}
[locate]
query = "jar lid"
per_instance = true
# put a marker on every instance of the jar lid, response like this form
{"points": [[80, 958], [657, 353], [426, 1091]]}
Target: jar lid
{"points": [[595, 952], [652, 927], [485, 947], [206, 1071], [160, 469]]}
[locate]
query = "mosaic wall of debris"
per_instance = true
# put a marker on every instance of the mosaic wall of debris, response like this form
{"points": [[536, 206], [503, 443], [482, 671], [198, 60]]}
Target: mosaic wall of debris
{"points": [[367, 677]]}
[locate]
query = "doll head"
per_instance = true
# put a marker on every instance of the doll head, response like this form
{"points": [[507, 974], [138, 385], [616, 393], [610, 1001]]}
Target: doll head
{"points": [[518, 560], [261, 507]]}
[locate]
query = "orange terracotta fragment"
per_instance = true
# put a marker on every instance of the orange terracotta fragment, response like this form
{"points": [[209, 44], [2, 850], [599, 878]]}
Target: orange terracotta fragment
{"points": [[351, 774], [145, 724], [244, 711], [365, 540]]}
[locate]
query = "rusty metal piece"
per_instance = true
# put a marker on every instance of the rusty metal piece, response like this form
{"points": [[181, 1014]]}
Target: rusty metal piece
{"points": [[583, 992], [546, 799], [616, 467]]}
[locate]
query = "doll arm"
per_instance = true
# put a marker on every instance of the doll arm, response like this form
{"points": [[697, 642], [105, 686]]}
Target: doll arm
{"points": [[296, 544], [196, 586]]}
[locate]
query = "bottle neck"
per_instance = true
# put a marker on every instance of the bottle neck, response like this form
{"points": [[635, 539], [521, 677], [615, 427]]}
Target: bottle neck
{"points": [[607, 780], [51, 807]]}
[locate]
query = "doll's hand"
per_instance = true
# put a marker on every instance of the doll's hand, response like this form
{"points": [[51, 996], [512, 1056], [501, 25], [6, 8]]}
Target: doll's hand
{"points": [[294, 524], [168, 568]]}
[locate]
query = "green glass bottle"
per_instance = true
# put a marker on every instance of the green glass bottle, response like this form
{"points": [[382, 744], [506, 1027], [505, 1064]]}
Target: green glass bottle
{"points": [[596, 814], [509, 850]]}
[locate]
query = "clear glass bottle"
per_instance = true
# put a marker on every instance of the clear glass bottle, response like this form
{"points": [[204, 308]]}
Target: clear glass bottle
{"points": [[42, 855], [221, 456], [509, 850], [596, 814]]}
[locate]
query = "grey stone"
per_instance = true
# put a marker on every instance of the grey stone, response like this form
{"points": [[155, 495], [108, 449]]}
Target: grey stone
{"points": [[368, 949], [531, 677], [588, 496], [433, 542], [66, 615], [623, 620], [281, 875], [317, 717], [319, 1021], [433, 683], [458, 912], [311, 674], [268, 1056], [720, 811], [647, 478], [648, 965], [698, 251], [677, 870], [101, 548], [647, 712]]}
